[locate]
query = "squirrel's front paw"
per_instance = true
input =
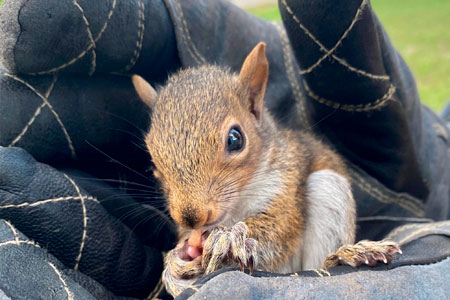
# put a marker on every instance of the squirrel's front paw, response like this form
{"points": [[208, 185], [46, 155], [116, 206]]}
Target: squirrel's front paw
{"points": [[363, 252], [180, 270], [225, 244]]}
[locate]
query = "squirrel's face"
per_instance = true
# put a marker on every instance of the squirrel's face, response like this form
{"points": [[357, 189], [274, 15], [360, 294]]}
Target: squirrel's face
{"points": [[203, 176], [205, 138]]}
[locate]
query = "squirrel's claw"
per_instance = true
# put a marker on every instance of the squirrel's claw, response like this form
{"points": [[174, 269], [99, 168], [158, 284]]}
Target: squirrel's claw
{"points": [[216, 249], [224, 244], [367, 252], [252, 255]]}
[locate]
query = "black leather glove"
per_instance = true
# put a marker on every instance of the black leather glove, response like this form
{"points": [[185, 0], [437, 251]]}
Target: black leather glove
{"points": [[68, 222], [30, 272], [362, 97]]}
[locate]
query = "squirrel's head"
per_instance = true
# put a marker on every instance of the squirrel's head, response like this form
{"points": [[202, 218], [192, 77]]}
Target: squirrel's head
{"points": [[205, 137]]}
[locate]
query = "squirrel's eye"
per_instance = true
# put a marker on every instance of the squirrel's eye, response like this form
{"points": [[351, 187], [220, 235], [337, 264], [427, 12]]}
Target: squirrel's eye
{"points": [[235, 140]]}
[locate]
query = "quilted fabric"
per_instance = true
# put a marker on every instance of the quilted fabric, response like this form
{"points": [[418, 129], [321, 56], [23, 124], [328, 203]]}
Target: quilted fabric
{"points": [[87, 37], [403, 283], [70, 223], [30, 272]]}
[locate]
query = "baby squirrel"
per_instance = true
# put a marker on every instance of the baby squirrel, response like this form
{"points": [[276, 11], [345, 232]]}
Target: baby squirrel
{"points": [[244, 191]]}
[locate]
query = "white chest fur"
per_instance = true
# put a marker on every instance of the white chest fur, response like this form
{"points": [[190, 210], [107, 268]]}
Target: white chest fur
{"points": [[330, 220]]}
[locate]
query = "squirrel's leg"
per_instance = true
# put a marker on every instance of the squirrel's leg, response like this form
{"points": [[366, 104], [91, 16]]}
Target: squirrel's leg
{"points": [[330, 224], [180, 272], [268, 239], [363, 252], [330, 217]]}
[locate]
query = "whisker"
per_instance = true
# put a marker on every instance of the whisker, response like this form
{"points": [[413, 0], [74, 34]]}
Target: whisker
{"points": [[324, 118], [155, 203], [114, 181], [151, 211], [124, 189], [133, 212], [115, 160], [139, 138], [123, 119], [164, 221], [141, 148]]}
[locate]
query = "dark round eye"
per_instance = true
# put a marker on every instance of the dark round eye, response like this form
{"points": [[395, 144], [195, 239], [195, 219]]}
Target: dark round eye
{"points": [[235, 140]]}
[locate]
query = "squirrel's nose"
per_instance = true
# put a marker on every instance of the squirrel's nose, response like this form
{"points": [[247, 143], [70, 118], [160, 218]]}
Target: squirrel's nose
{"points": [[194, 219]]}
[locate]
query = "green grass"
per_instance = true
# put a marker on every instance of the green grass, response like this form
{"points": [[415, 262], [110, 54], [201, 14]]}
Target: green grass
{"points": [[267, 11], [420, 30]]}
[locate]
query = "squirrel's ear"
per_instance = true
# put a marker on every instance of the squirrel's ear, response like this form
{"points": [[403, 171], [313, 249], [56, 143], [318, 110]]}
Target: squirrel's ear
{"points": [[145, 91], [253, 78]]}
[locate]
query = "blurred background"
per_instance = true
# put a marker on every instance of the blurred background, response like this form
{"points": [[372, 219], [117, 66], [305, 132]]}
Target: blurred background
{"points": [[420, 30]]}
